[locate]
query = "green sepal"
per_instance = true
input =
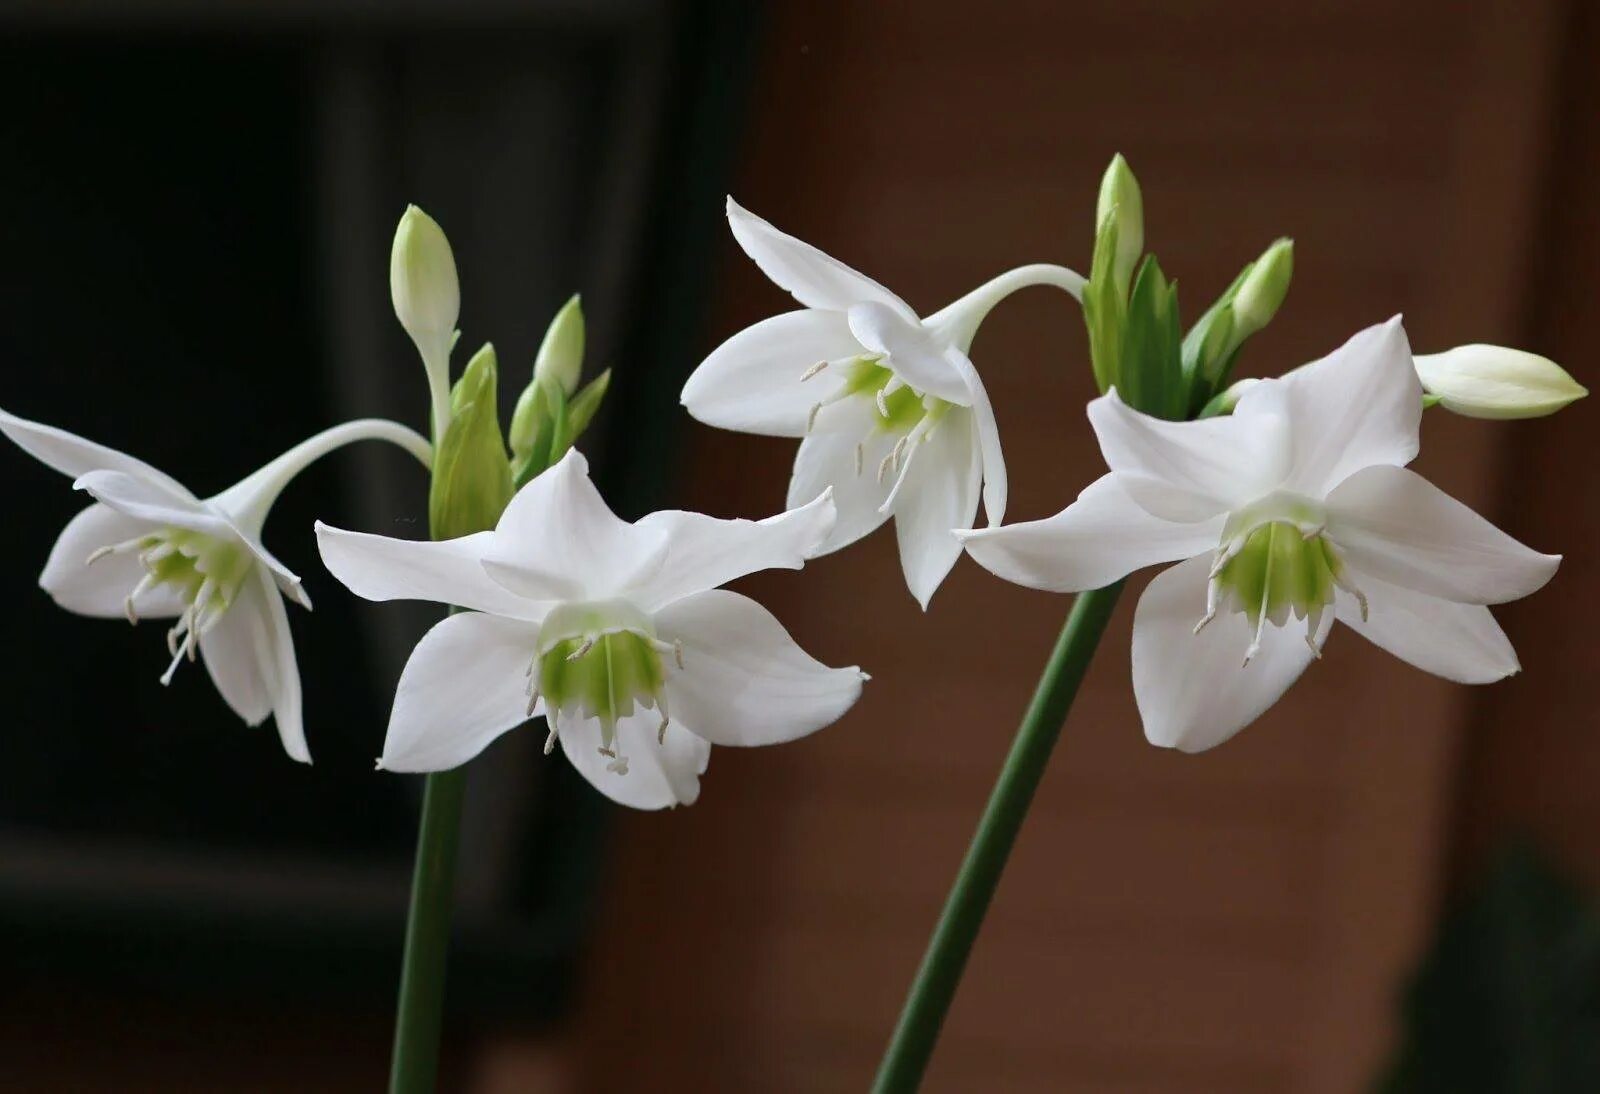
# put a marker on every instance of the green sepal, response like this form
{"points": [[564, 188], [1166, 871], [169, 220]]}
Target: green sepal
{"points": [[1150, 377], [471, 475]]}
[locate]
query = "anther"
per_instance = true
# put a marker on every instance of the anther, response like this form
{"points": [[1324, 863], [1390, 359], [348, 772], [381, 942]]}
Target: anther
{"points": [[1316, 651], [883, 467], [861, 458], [812, 371], [98, 553], [661, 731], [550, 739], [677, 652], [533, 701], [578, 654], [883, 401]]}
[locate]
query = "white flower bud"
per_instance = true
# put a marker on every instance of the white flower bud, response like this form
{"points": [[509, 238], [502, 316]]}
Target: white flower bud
{"points": [[1481, 381], [560, 359], [427, 299], [1119, 191], [1264, 288]]}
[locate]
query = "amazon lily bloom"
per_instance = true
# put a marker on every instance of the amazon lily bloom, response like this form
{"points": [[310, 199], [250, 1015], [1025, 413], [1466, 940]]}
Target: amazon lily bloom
{"points": [[615, 632], [893, 414], [1295, 511], [149, 549]]}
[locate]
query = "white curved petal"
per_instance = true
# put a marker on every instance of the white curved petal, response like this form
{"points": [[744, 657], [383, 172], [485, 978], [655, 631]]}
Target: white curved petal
{"points": [[705, 552], [101, 589], [154, 502], [443, 571], [1460, 642], [996, 485], [1190, 471], [753, 381], [1399, 527], [275, 647], [660, 773], [240, 654], [845, 452], [815, 279], [939, 496], [558, 540], [1361, 405], [744, 680], [909, 349], [74, 456], [1103, 536], [1193, 690], [464, 685]]}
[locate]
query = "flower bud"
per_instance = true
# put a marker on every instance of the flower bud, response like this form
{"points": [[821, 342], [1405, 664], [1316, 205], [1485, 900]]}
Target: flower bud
{"points": [[560, 359], [1226, 400], [427, 300], [1261, 293], [1119, 193], [1481, 381], [471, 475]]}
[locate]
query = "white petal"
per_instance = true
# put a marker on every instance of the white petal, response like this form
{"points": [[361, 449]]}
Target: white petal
{"points": [[811, 277], [939, 496], [153, 502], [1103, 536], [240, 653], [744, 680], [912, 352], [995, 483], [705, 552], [752, 382], [844, 453], [464, 685], [1460, 642], [1190, 471], [660, 773], [1192, 692], [101, 589], [279, 668], [444, 571], [74, 456], [558, 540], [1399, 527], [1361, 405]]}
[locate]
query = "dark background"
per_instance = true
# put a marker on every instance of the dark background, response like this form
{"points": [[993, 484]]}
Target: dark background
{"points": [[197, 208]]}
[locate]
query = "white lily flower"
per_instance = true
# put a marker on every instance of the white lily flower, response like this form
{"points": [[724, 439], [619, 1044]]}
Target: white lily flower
{"points": [[1294, 511], [893, 414], [603, 627], [150, 549]]}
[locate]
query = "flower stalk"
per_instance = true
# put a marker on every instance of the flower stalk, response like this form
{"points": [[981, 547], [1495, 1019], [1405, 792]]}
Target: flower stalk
{"points": [[935, 986]]}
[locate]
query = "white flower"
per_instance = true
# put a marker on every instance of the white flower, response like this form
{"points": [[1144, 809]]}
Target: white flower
{"points": [[1295, 511], [893, 414], [148, 548], [616, 632]]}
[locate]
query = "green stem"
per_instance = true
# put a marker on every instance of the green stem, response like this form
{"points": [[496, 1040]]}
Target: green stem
{"points": [[929, 1000], [415, 1065]]}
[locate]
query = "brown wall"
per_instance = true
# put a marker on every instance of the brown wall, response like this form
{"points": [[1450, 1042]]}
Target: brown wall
{"points": [[1230, 922]]}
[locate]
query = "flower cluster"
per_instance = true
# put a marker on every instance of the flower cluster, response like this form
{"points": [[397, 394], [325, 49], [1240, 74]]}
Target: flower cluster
{"points": [[1285, 503]]}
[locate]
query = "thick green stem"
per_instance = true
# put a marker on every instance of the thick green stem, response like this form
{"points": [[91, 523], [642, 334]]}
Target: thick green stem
{"points": [[907, 1056], [415, 1065]]}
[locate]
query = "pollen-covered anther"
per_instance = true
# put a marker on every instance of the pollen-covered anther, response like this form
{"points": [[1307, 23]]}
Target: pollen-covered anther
{"points": [[813, 370]]}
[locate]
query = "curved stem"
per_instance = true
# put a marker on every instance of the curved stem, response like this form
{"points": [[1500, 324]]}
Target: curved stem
{"points": [[906, 1058], [960, 320], [248, 501]]}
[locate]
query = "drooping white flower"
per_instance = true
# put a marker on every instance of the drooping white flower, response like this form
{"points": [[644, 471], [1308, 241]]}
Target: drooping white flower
{"points": [[893, 414], [616, 632], [1296, 510], [150, 549]]}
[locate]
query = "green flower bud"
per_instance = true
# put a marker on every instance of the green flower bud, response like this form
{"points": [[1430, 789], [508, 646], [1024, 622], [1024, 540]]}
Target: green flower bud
{"points": [[471, 476], [1261, 293], [1119, 194], [560, 359], [1481, 381], [427, 299], [1225, 401]]}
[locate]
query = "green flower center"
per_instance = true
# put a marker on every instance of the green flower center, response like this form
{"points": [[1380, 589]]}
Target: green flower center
{"points": [[599, 660], [1276, 563], [205, 571], [898, 409]]}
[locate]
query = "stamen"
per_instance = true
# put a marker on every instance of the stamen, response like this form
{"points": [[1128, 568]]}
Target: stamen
{"points": [[578, 654], [533, 701], [661, 731], [1266, 592], [883, 467], [883, 402], [550, 740], [861, 456], [114, 549], [1312, 532], [677, 652], [812, 371]]}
